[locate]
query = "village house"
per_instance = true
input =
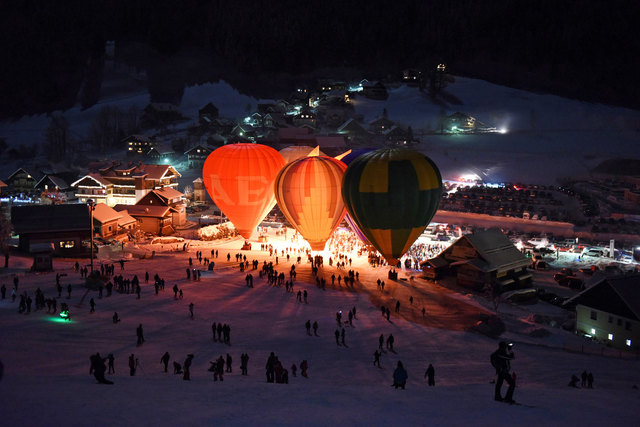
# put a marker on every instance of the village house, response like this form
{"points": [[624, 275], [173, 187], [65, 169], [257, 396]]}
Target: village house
{"points": [[374, 90], [2, 185], [67, 227], [199, 191], [54, 188], [156, 220], [380, 125], [137, 144], [20, 182], [197, 155], [609, 310], [124, 183], [481, 260], [170, 198], [354, 130], [108, 223], [305, 118]]}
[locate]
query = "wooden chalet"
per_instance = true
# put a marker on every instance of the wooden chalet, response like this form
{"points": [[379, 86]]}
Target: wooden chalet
{"points": [[478, 260], [20, 182], [156, 220], [197, 155], [170, 198], [64, 226], [107, 222]]}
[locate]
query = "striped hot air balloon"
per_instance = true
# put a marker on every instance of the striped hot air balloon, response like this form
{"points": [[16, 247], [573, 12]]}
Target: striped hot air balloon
{"points": [[308, 192], [392, 194], [239, 179]]}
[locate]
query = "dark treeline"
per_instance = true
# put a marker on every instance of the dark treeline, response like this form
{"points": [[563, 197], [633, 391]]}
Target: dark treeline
{"points": [[587, 49]]}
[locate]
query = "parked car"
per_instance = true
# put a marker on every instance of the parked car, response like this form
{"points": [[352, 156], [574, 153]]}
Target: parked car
{"points": [[572, 282]]}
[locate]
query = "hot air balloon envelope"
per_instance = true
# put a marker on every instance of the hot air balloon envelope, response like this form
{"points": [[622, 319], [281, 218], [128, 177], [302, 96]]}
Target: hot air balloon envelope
{"points": [[309, 196], [239, 179], [392, 194]]}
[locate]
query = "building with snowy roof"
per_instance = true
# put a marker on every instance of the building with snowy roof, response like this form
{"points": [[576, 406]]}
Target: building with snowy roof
{"points": [[484, 258], [124, 183], [609, 310]]}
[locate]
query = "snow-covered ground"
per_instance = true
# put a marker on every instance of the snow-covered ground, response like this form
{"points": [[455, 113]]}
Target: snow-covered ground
{"points": [[46, 362]]}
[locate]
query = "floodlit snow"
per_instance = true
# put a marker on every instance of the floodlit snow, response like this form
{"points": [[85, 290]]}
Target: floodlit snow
{"points": [[46, 363]]}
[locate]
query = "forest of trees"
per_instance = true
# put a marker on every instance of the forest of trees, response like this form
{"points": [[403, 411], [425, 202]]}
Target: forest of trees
{"points": [[586, 49]]}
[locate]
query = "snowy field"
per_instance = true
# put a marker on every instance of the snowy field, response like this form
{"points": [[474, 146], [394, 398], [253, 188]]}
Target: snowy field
{"points": [[46, 361]]}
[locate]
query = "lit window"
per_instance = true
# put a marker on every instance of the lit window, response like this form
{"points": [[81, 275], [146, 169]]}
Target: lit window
{"points": [[610, 336], [593, 331], [628, 343]]}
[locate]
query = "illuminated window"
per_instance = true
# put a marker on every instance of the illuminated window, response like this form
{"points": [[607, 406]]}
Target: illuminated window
{"points": [[67, 244], [594, 315], [593, 331], [628, 343], [610, 336]]}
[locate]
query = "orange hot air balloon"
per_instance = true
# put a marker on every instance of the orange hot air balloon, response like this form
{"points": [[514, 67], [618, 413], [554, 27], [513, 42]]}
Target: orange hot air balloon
{"points": [[239, 179], [308, 192]]}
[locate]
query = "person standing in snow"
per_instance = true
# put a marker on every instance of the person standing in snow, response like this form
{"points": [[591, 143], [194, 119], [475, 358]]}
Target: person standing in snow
{"points": [[500, 360], [140, 334], [376, 359], [270, 367], [187, 367], [430, 374], [165, 360], [315, 329], [400, 376], [112, 369]]}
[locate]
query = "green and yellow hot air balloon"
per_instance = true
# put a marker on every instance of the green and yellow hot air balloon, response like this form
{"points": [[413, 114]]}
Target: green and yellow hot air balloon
{"points": [[392, 194]]}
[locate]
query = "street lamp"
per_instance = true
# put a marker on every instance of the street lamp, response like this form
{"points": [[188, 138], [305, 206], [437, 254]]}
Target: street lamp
{"points": [[92, 207]]}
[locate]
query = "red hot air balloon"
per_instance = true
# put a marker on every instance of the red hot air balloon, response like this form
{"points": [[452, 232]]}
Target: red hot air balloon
{"points": [[239, 179], [308, 192]]}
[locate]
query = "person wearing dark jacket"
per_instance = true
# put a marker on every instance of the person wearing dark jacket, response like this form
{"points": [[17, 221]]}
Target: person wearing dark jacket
{"points": [[400, 376], [430, 374], [503, 357], [165, 360]]}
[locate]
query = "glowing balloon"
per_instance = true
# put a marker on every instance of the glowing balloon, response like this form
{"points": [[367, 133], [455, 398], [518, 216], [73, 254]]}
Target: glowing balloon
{"points": [[239, 179], [309, 196], [296, 152], [392, 194], [347, 159]]}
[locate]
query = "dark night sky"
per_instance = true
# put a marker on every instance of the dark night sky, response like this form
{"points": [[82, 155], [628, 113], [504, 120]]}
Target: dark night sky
{"points": [[583, 49]]}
